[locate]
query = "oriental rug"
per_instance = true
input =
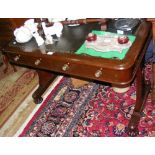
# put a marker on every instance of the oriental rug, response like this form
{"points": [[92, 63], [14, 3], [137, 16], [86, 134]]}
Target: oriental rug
{"points": [[14, 88], [91, 110]]}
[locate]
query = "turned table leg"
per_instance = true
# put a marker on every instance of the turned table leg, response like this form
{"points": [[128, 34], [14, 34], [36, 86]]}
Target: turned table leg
{"points": [[142, 91], [45, 79]]}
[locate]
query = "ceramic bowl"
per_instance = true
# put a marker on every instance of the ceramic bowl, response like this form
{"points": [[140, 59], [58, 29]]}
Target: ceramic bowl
{"points": [[22, 34]]}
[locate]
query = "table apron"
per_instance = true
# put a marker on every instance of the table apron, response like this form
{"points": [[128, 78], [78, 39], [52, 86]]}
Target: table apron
{"points": [[119, 77]]}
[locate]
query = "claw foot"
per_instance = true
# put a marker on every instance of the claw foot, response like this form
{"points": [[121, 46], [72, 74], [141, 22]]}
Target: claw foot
{"points": [[38, 100], [133, 131]]}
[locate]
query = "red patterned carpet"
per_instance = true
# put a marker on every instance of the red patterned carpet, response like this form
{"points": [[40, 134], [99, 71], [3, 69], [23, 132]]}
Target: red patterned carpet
{"points": [[93, 110]]}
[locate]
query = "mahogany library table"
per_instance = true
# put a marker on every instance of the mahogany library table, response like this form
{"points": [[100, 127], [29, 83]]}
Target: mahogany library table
{"points": [[60, 58]]}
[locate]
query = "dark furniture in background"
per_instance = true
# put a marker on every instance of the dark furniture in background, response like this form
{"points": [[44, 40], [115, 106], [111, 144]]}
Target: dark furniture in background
{"points": [[65, 61], [7, 27]]}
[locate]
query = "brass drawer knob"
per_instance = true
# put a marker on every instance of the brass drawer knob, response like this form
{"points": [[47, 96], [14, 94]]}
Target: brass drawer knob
{"points": [[37, 62], [98, 73], [16, 58], [65, 67]]}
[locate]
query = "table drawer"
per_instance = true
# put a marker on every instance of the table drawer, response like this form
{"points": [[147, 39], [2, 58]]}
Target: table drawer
{"points": [[70, 67]]}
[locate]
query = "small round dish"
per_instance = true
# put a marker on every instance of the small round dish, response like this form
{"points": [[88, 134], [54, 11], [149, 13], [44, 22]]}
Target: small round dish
{"points": [[72, 25]]}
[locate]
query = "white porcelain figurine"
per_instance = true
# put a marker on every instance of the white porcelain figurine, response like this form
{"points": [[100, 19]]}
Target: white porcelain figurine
{"points": [[56, 29], [32, 26]]}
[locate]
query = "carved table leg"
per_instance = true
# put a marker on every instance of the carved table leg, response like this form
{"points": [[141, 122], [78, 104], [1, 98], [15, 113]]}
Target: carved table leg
{"points": [[142, 91], [45, 79]]}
